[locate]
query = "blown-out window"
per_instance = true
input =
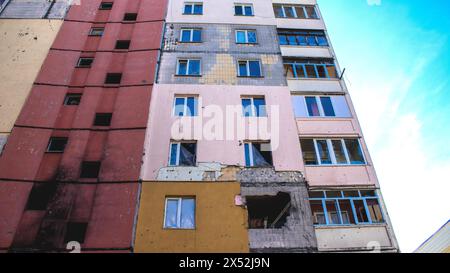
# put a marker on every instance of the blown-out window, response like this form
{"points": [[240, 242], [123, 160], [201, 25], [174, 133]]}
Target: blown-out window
{"points": [[258, 154], [183, 153]]}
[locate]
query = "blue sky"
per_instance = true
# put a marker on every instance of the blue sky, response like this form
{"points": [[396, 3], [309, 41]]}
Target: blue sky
{"points": [[397, 60]]}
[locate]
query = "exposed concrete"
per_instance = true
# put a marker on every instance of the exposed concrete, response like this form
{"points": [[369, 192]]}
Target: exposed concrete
{"points": [[201, 172], [52, 9]]}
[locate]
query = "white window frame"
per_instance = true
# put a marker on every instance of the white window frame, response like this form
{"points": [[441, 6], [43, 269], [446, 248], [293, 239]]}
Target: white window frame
{"points": [[246, 31], [247, 64], [243, 9], [188, 67], [333, 155], [253, 106], [191, 36], [179, 207], [185, 105], [293, 7]]}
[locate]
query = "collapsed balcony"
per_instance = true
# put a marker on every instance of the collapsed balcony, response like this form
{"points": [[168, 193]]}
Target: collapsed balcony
{"points": [[268, 212]]}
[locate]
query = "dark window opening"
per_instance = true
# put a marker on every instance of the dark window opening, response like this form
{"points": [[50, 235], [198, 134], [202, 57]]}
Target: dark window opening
{"points": [[258, 154], [75, 232], [96, 31], [40, 195], [72, 99], [85, 62], [106, 5], [123, 44], [113, 78], [268, 212], [102, 119], [183, 154], [130, 17], [90, 169], [57, 144]]}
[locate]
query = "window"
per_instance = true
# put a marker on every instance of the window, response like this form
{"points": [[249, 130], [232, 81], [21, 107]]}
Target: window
{"points": [[249, 69], [72, 99], [191, 35], [243, 10], [90, 169], [302, 38], [193, 8], [130, 17], [320, 106], [57, 144], [268, 212], [295, 11], [75, 232], [254, 107], [85, 62], [40, 195], [185, 106], [96, 31], [246, 36], [113, 78], [310, 68], [345, 208], [103, 119], [188, 67], [106, 5], [258, 154], [123, 44], [332, 152], [179, 213], [183, 153]]}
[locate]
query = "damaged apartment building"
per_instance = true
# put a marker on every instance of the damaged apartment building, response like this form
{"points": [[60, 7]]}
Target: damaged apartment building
{"points": [[191, 126]]}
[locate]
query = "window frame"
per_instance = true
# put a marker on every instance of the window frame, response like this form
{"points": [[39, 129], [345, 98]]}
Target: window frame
{"points": [[193, 4], [294, 9], [177, 160], [304, 63], [304, 34], [188, 68], [72, 95], [319, 106], [179, 209], [247, 61], [85, 58], [66, 139], [191, 35], [109, 7], [253, 113], [96, 29], [243, 6], [332, 154], [360, 197], [185, 105], [246, 31], [250, 153]]}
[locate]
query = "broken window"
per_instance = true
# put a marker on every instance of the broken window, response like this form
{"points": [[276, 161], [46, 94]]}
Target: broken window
{"points": [[123, 44], [130, 17], [193, 9], [113, 78], [90, 169], [183, 153], [185, 106], [85, 62], [309, 151], [179, 213], [106, 5], [332, 152], [75, 232], [249, 68], [254, 107], [96, 31], [40, 195], [191, 35], [57, 144], [345, 208], [268, 212], [188, 67], [354, 151], [103, 119], [258, 154], [72, 99], [243, 10]]}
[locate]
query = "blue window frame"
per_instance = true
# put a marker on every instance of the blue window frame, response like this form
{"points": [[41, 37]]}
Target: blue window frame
{"points": [[179, 213], [182, 154], [249, 68], [193, 8], [319, 106], [243, 10], [332, 152], [191, 35], [189, 67], [302, 38], [352, 207], [254, 107], [314, 69], [246, 37], [185, 106]]}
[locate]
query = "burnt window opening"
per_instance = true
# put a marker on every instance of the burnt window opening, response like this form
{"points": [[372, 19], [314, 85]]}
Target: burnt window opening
{"points": [[123, 44], [106, 5], [85, 62], [113, 78], [103, 119], [72, 99], [130, 17], [57, 144], [90, 169], [268, 212], [75, 232], [40, 195]]}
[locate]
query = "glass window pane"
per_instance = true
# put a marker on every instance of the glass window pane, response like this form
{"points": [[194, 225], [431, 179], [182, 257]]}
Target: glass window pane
{"points": [[301, 40], [347, 212], [368, 193], [171, 213], [310, 71], [240, 37], [322, 41], [360, 211], [313, 107], [182, 67], [292, 40], [300, 12], [300, 69], [327, 106], [251, 36], [311, 12], [197, 36], [188, 213], [186, 35], [243, 69], [191, 107], [339, 152], [317, 212], [375, 210], [288, 70], [247, 155], [321, 71], [173, 154], [323, 152], [354, 151], [260, 106], [351, 193], [308, 151], [238, 10], [255, 70], [179, 107], [248, 11], [188, 9], [247, 107], [187, 154], [332, 73], [198, 9], [283, 39], [194, 67], [333, 214], [311, 40], [289, 11], [278, 11]]}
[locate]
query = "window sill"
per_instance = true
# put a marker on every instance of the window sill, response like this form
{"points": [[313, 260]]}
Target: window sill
{"points": [[364, 225], [190, 43], [54, 152], [192, 13], [297, 18], [313, 79], [247, 44], [242, 15], [251, 77], [343, 165], [188, 76], [305, 46]]}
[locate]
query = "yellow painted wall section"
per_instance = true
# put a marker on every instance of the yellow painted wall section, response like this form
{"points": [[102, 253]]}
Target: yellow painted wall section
{"points": [[221, 226], [24, 44]]}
